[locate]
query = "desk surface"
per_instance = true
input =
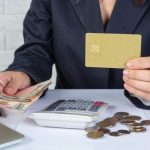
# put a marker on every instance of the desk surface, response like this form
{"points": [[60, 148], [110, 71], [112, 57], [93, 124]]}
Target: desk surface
{"points": [[41, 138]]}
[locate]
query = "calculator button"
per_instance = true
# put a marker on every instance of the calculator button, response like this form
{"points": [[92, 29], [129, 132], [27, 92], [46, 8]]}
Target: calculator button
{"points": [[55, 105], [94, 108], [99, 103], [61, 109], [81, 109], [72, 108]]}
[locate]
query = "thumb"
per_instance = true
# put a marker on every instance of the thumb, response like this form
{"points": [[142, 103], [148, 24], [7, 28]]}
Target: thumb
{"points": [[12, 87]]}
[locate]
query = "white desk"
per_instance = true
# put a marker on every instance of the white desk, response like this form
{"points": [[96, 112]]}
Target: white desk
{"points": [[41, 138]]}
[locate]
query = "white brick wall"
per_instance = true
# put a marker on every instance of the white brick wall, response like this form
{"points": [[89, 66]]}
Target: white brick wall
{"points": [[12, 14], [16, 6], [2, 41], [1, 6]]}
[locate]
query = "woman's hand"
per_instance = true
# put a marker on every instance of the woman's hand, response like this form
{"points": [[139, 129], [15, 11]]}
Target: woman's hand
{"points": [[11, 82], [137, 77]]}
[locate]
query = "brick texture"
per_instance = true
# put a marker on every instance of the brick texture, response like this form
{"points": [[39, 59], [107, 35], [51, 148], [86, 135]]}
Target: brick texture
{"points": [[12, 14], [2, 42], [1, 6], [16, 6]]}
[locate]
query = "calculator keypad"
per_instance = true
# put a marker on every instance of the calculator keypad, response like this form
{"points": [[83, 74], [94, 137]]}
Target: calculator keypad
{"points": [[75, 105]]}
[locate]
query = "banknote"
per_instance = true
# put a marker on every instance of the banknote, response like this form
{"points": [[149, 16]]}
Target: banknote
{"points": [[23, 98]]}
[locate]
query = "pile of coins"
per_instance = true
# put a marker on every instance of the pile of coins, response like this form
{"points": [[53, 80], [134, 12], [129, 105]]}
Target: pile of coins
{"points": [[134, 124]]}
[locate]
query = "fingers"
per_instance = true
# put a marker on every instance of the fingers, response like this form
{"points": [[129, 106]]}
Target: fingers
{"points": [[137, 82], [3, 82], [139, 63], [137, 77], [2, 85], [141, 75], [13, 86], [137, 92], [1, 88], [140, 85], [11, 82]]}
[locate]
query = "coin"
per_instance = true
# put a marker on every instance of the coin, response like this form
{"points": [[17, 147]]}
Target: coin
{"points": [[104, 130], [145, 122], [119, 117], [136, 125], [93, 128], [124, 131], [121, 114], [132, 117], [127, 122], [141, 129], [95, 134], [114, 134], [111, 120], [104, 124]]}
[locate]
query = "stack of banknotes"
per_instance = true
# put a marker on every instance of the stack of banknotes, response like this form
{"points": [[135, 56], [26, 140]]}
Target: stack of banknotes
{"points": [[23, 98]]}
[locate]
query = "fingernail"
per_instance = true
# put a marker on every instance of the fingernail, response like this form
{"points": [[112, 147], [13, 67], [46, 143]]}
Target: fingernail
{"points": [[125, 86], [125, 72], [130, 64]]}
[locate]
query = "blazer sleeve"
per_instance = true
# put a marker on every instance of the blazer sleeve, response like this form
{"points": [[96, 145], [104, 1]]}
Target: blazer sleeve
{"points": [[35, 56]]}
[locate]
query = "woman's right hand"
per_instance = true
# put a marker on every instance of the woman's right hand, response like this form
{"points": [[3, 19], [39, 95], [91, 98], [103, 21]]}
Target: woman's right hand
{"points": [[13, 81]]}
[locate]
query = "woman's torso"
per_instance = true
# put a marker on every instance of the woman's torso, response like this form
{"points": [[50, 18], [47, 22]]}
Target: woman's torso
{"points": [[72, 19]]}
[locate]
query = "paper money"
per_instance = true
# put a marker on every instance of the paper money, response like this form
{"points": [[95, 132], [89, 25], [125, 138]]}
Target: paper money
{"points": [[24, 98]]}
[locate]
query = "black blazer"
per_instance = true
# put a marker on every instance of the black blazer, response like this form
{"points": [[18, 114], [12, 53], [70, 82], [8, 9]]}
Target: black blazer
{"points": [[54, 32]]}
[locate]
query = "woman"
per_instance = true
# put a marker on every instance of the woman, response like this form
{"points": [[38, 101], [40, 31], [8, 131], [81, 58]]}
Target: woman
{"points": [[54, 32]]}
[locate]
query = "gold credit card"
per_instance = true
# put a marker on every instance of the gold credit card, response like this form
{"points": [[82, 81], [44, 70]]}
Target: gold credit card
{"points": [[111, 50]]}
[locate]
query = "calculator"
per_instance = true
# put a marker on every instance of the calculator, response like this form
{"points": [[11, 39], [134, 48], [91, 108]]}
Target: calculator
{"points": [[70, 113], [76, 106]]}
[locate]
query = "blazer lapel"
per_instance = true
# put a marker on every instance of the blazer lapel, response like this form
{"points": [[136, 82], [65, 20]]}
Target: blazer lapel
{"points": [[126, 16], [88, 12]]}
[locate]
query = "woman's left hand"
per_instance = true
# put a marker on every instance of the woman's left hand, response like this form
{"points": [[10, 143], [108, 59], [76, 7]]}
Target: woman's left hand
{"points": [[137, 77]]}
